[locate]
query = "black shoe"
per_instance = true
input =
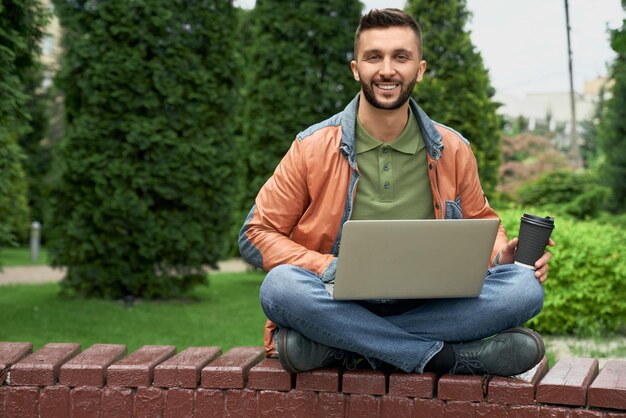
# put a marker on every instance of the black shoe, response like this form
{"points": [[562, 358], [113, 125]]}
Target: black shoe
{"points": [[297, 353], [509, 353]]}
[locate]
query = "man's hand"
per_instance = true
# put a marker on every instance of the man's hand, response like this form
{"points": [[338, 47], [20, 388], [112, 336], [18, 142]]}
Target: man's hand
{"points": [[507, 256]]}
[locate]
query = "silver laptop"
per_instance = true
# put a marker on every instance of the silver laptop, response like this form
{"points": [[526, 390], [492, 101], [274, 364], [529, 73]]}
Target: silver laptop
{"points": [[413, 259]]}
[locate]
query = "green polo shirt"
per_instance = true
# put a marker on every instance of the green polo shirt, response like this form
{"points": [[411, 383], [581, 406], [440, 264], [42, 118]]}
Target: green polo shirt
{"points": [[394, 176]]}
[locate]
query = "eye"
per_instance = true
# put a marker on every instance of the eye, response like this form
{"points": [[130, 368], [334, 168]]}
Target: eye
{"points": [[402, 57], [372, 57]]}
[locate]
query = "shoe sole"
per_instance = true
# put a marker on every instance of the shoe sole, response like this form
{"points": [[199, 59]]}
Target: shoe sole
{"points": [[282, 352], [536, 337]]}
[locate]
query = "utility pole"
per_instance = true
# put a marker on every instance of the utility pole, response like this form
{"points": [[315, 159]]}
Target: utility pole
{"points": [[574, 149]]}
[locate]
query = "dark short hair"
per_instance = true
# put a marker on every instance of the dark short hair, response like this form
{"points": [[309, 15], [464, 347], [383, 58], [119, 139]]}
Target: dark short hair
{"points": [[386, 18]]}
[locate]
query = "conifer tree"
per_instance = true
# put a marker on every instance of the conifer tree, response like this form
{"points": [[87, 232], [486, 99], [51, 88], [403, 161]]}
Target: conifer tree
{"points": [[145, 196], [298, 73], [456, 90], [21, 23], [612, 130]]}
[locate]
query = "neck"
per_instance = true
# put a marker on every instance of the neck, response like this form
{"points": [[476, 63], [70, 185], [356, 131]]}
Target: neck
{"points": [[384, 125]]}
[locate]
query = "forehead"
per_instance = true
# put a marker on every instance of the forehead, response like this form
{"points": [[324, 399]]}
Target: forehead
{"points": [[388, 39]]}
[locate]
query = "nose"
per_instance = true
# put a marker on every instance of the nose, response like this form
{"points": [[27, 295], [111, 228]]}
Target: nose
{"points": [[387, 69]]}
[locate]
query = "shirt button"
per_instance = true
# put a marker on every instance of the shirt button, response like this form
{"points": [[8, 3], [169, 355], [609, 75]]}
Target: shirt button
{"points": [[387, 185], [385, 149], [386, 167]]}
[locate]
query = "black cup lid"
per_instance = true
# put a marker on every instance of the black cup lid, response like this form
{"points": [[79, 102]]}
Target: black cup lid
{"points": [[547, 221]]}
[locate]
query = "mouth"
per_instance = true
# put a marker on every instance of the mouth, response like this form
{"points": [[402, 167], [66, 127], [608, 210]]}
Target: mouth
{"points": [[386, 86]]}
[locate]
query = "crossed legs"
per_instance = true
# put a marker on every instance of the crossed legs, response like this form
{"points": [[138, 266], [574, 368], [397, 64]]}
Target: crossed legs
{"points": [[295, 298]]}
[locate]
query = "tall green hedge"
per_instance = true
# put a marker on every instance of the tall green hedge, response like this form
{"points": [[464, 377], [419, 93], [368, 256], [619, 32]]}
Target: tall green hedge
{"points": [[456, 90], [145, 198], [585, 294], [612, 129], [297, 74], [21, 23]]}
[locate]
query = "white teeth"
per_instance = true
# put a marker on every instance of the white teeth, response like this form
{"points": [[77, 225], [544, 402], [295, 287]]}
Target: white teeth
{"points": [[387, 87]]}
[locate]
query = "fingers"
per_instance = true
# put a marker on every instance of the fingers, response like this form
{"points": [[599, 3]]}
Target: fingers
{"points": [[542, 266], [542, 273]]}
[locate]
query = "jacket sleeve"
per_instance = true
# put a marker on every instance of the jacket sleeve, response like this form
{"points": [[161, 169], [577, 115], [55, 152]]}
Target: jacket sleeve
{"points": [[264, 239], [476, 204]]}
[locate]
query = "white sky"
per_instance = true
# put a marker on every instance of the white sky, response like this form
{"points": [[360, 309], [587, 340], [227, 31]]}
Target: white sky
{"points": [[524, 44]]}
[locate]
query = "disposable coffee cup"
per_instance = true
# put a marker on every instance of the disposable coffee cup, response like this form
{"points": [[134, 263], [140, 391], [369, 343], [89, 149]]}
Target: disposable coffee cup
{"points": [[534, 233]]}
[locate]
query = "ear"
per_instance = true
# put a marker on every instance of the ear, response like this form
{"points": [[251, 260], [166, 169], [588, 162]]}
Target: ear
{"points": [[421, 70], [355, 70]]}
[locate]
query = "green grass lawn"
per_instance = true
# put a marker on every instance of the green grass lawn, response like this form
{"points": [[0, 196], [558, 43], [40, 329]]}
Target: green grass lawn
{"points": [[20, 256], [226, 313]]}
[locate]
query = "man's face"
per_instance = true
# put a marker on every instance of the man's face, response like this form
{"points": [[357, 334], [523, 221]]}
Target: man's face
{"points": [[388, 65]]}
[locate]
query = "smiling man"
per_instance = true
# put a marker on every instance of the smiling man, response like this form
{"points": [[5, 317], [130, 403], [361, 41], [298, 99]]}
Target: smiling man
{"points": [[335, 171]]}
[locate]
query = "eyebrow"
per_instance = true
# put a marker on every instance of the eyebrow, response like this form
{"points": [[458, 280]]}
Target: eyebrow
{"points": [[395, 51]]}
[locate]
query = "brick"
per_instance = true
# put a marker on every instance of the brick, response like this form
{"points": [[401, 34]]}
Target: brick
{"points": [[179, 403], [587, 413], [271, 403], [490, 410], [301, 403], [85, 402], [330, 405], [462, 388], [137, 369], [269, 375], [414, 385], [432, 408], [567, 382], [366, 382], [362, 406], [460, 409], [22, 402], [522, 411], [240, 402], [42, 367], [4, 392], [54, 402], [117, 402], [184, 369], [149, 402], [89, 367], [554, 411], [319, 380], [517, 390], [608, 390], [230, 371], [208, 403], [396, 406], [11, 353]]}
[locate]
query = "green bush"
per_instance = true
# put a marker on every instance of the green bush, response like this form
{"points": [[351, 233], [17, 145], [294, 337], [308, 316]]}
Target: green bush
{"points": [[577, 194], [21, 24], [145, 196], [297, 73], [586, 289]]}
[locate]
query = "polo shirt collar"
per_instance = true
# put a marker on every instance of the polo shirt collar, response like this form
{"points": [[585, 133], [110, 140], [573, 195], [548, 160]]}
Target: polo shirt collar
{"points": [[409, 141]]}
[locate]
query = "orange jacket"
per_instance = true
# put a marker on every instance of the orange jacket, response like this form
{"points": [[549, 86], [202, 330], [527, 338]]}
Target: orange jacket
{"points": [[299, 212]]}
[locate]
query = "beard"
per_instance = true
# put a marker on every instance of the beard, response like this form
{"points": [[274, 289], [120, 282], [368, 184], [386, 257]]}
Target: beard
{"points": [[405, 94]]}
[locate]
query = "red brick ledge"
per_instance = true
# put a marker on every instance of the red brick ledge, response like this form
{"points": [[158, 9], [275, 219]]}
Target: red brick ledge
{"points": [[59, 380]]}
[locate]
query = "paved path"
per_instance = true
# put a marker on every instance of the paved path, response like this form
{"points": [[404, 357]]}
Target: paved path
{"points": [[42, 274]]}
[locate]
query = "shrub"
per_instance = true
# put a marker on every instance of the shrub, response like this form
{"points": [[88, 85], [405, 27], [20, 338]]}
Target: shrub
{"points": [[145, 197], [586, 290], [297, 74], [577, 194], [21, 25]]}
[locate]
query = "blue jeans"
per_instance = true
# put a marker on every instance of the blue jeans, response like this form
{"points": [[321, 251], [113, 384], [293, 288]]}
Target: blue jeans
{"points": [[408, 338]]}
